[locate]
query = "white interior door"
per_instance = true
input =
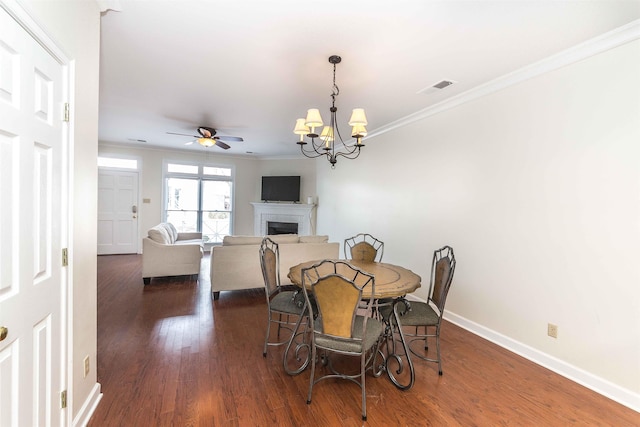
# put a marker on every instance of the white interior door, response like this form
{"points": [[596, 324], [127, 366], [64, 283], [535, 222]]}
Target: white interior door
{"points": [[33, 229], [117, 212]]}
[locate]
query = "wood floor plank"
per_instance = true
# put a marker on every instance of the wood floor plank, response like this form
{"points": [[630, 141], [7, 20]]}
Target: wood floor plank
{"points": [[170, 356]]}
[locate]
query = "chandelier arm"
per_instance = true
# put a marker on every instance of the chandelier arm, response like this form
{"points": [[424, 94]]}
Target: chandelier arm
{"points": [[350, 148], [348, 155], [316, 151], [311, 154]]}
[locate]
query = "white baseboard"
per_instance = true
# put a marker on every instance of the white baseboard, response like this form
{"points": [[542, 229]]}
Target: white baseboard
{"points": [[89, 407], [606, 388]]}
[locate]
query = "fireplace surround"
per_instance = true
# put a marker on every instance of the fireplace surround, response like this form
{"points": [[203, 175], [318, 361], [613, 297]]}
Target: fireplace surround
{"points": [[298, 213]]}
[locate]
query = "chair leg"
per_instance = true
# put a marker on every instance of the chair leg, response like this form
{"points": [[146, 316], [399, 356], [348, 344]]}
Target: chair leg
{"points": [[438, 350], [426, 343], [266, 338], [313, 371], [362, 386]]}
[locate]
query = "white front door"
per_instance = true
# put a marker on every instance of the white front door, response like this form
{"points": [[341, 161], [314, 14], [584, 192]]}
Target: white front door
{"points": [[33, 229], [117, 212]]}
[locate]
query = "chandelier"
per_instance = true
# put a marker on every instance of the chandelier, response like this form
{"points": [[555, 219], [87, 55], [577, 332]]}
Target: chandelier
{"points": [[325, 143]]}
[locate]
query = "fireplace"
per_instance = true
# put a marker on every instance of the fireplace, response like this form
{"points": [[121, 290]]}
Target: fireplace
{"points": [[275, 227], [299, 214]]}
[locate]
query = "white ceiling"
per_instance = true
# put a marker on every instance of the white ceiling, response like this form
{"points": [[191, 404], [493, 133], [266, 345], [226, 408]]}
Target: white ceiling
{"points": [[250, 68]]}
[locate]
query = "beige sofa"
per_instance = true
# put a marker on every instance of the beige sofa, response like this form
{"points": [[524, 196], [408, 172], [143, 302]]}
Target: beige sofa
{"points": [[236, 264], [165, 252]]}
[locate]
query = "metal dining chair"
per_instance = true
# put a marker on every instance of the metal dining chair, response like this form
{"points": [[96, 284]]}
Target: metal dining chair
{"points": [[428, 316], [343, 325], [283, 309], [363, 247]]}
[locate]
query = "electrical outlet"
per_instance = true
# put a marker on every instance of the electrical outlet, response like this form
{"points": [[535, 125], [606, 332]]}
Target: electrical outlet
{"points": [[552, 330], [86, 367]]}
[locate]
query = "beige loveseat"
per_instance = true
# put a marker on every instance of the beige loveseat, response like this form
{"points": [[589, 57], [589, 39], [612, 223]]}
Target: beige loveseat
{"points": [[165, 252], [236, 264]]}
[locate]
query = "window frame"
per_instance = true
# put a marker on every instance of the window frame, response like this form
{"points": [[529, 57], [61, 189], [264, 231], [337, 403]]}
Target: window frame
{"points": [[200, 177]]}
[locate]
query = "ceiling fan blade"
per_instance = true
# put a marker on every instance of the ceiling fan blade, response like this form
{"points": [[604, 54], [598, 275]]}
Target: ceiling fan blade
{"points": [[189, 143], [222, 144], [183, 134], [229, 138]]}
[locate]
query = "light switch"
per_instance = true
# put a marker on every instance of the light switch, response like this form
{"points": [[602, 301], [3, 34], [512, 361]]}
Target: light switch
{"points": [[146, 200]]}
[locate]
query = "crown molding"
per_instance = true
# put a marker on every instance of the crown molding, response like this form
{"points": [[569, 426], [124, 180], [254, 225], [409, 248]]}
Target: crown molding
{"points": [[594, 46]]}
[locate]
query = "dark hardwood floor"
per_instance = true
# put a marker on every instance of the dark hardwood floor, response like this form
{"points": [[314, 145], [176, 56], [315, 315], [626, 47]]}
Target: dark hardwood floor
{"points": [[170, 356]]}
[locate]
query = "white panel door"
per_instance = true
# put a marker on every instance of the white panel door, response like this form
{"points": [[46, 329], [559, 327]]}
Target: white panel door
{"points": [[117, 212], [33, 228]]}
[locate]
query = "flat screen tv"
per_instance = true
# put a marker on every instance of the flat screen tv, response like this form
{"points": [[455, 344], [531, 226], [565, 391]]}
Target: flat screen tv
{"points": [[280, 189]]}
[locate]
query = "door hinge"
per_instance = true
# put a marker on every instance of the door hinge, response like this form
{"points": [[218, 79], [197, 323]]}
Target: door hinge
{"points": [[63, 399], [66, 112], [65, 257]]}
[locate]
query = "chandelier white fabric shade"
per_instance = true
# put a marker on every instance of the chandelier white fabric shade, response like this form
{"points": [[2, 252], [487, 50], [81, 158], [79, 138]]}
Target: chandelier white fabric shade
{"points": [[359, 131], [325, 143], [301, 129], [358, 118], [327, 134], [314, 119]]}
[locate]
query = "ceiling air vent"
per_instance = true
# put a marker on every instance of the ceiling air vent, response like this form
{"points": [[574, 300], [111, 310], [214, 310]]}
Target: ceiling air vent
{"points": [[437, 86]]}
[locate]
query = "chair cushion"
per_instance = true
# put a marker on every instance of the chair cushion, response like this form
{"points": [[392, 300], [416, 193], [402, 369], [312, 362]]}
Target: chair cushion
{"points": [[419, 314], [284, 302], [375, 328]]}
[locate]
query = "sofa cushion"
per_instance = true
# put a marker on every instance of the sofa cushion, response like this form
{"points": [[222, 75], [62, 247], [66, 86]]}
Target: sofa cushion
{"points": [[171, 230], [314, 239], [189, 242], [284, 238], [241, 240], [159, 234]]}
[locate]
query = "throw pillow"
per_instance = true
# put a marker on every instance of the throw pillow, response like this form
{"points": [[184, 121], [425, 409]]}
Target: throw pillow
{"points": [[159, 234]]}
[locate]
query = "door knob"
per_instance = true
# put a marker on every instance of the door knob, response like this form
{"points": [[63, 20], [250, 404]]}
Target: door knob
{"points": [[135, 216], [3, 332]]}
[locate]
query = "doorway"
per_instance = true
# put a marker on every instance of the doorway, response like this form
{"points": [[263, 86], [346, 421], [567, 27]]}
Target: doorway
{"points": [[117, 212], [34, 224]]}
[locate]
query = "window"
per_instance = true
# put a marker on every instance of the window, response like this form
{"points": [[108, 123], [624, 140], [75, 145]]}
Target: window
{"points": [[114, 162], [199, 198]]}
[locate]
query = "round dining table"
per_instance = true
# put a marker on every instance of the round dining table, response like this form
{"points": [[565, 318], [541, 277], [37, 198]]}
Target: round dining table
{"points": [[392, 283], [391, 280]]}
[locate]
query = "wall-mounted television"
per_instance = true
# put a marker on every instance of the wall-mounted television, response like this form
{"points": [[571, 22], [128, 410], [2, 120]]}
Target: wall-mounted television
{"points": [[280, 189]]}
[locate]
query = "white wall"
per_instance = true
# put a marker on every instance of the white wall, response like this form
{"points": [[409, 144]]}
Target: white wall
{"points": [[75, 26], [537, 189], [248, 173]]}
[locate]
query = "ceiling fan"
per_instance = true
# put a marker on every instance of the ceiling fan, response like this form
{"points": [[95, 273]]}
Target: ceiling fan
{"points": [[208, 138]]}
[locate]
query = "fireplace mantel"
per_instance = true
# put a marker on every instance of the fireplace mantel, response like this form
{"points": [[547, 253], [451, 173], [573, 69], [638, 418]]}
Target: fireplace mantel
{"points": [[300, 213]]}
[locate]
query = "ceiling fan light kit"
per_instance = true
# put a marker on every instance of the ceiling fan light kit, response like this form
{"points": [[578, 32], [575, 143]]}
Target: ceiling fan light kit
{"points": [[206, 142], [324, 144]]}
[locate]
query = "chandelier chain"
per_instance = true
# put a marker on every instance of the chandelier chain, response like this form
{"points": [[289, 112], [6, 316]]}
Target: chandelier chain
{"points": [[336, 89]]}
